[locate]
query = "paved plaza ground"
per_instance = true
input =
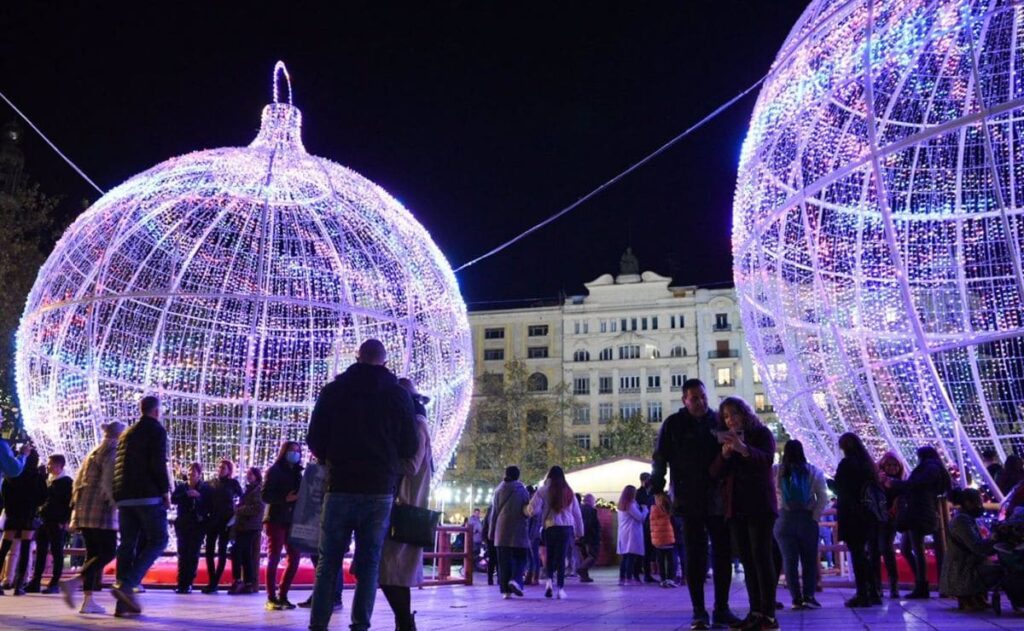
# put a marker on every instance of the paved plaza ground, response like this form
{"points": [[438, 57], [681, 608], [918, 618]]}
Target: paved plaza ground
{"points": [[602, 605]]}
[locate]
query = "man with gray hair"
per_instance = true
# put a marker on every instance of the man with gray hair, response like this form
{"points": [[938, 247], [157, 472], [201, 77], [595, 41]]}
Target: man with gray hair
{"points": [[361, 429]]}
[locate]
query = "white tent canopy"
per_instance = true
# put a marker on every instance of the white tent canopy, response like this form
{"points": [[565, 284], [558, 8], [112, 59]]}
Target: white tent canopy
{"points": [[607, 479]]}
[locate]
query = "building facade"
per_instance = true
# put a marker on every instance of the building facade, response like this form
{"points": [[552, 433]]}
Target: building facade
{"points": [[624, 348]]}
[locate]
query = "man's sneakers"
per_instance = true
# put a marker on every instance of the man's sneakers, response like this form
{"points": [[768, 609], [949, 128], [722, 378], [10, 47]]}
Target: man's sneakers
{"points": [[308, 603], [701, 621], [69, 589], [515, 588], [561, 594], [548, 591], [126, 598], [811, 603]]}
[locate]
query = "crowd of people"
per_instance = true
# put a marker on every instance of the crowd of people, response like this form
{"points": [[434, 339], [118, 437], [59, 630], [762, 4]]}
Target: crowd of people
{"points": [[714, 493]]}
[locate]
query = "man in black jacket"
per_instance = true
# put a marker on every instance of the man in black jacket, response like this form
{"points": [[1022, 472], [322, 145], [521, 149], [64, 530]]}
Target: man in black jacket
{"points": [[590, 542], [55, 513], [687, 443], [361, 428], [142, 490]]}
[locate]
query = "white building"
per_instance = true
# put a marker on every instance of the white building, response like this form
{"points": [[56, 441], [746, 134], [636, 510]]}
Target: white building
{"points": [[624, 348]]}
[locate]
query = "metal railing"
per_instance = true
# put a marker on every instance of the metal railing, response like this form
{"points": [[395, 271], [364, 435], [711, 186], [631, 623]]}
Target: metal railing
{"points": [[724, 354]]}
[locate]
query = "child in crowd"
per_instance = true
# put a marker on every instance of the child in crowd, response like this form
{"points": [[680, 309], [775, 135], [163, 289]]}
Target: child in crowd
{"points": [[631, 535], [663, 537]]}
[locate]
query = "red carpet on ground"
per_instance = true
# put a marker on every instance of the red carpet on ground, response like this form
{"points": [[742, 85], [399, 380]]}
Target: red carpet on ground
{"points": [[164, 573]]}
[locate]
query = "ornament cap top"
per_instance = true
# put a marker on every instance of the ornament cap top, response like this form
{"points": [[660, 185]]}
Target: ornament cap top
{"points": [[281, 123], [281, 70]]}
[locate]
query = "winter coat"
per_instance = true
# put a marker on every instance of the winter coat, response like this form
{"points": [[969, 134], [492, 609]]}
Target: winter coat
{"points": [[140, 470], [361, 428], [249, 513], [631, 529], [818, 500], [507, 522], [927, 481], [56, 509], [569, 515], [688, 446], [591, 525], [966, 551], [749, 484], [282, 478], [223, 493], [401, 564], [92, 496], [193, 512], [663, 534], [22, 496], [854, 522]]}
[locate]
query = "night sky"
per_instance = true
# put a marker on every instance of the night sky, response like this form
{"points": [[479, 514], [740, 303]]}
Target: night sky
{"points": [[481, 117]]}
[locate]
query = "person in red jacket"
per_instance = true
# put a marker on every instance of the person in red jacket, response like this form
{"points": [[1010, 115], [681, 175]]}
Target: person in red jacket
{"points": [[745, 464]]}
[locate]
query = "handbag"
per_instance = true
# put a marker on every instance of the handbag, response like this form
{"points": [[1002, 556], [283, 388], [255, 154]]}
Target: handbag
{"points": [[413, 525]]}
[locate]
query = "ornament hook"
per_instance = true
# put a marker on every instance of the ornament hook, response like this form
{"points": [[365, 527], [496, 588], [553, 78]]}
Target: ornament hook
{"points": [[281, 69]]}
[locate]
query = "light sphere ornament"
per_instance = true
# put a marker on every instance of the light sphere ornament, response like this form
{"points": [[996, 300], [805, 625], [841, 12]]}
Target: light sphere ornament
{"points": [[234, 283], [877, 228]]}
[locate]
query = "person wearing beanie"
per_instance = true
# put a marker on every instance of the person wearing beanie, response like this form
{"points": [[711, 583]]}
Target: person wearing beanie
{"points": [[94, 515], [507, 524]]}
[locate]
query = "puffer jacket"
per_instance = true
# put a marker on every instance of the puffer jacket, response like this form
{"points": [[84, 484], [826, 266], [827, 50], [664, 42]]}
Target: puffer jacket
{"points": [[140, 469], [663, 535]]}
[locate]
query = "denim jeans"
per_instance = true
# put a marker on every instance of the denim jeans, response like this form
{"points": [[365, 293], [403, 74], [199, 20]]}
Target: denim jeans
{"points": [[345, 514], [511, 566], [797, 534], [143, 539], [558, 540]]}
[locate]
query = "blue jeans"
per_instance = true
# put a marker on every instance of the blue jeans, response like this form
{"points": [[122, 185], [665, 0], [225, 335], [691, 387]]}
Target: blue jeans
{"points": [[511, 566], [797, 534], [345, 514], [147, 524]]}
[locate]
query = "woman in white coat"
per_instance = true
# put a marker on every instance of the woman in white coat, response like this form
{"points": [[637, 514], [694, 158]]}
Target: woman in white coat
{"points": [[631, 534], [401, 564], [560, 513]]}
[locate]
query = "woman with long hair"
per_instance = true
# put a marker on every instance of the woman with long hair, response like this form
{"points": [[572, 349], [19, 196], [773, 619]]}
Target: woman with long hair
{"points": [[745, 465], [857, 527], [890, 471], [22, 497], [922, 489], [245, 554], [560, 514], [630, 543], [95, 517], [802, 496], [280, 493]]}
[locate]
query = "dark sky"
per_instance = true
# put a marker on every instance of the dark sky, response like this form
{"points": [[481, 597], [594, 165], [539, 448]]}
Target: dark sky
{"points": [[481, 117]]}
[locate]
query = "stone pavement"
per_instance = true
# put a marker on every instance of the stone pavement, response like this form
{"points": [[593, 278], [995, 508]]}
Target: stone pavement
{"points": [[601, 606]]}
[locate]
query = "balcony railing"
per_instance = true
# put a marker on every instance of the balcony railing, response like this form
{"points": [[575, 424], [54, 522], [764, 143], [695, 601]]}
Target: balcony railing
{"points": [[724, 354], [725, 384], [654, 388], [722, 327], [766, 409], [676, 389], [629, 390]]}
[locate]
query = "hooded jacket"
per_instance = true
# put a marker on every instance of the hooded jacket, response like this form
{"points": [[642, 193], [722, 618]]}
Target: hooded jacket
{"points": [[362, 427]]}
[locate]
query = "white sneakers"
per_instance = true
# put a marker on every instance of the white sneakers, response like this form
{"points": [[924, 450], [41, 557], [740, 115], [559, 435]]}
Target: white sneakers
{"points": [[90, 606], [506, 596], [561, 594]]}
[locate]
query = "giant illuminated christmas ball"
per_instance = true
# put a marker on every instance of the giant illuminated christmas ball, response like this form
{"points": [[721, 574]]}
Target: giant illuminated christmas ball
{"points": [[234, 283], [878, 228]]}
